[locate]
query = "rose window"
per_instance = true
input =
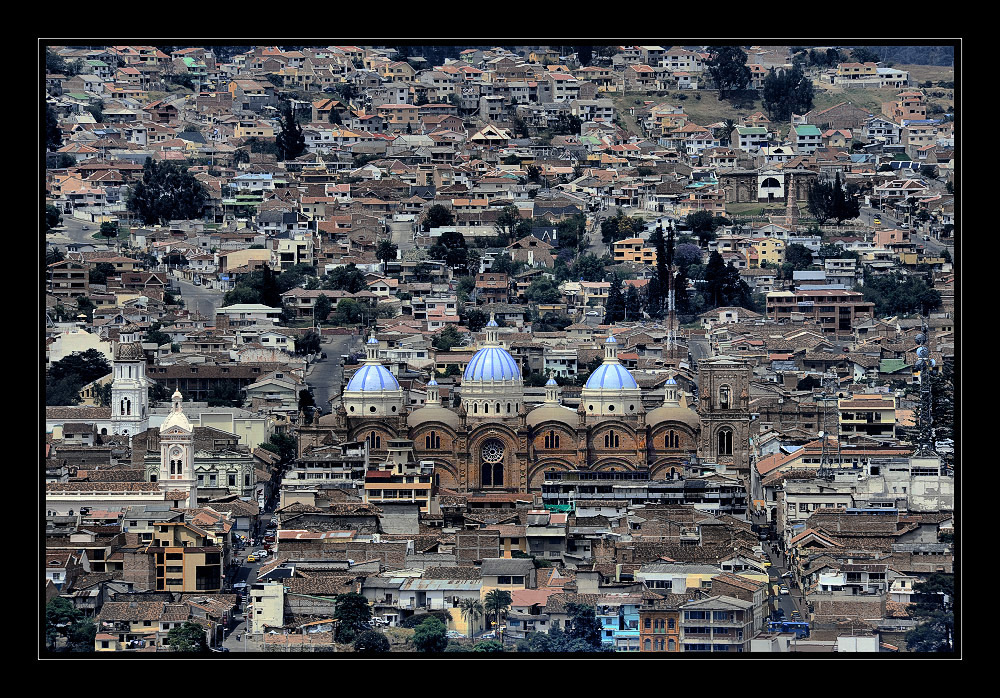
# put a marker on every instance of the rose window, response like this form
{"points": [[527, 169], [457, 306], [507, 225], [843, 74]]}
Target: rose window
{"points": [[492, 451]]}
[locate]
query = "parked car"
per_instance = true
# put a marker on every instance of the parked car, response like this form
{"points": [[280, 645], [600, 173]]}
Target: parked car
{"points": [[593, 313], [783, 589], [453, 634], [251, 558], [260, 554]]}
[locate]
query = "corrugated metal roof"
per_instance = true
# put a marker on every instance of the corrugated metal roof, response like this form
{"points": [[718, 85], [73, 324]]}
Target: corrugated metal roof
{"points": [[440, 585]]}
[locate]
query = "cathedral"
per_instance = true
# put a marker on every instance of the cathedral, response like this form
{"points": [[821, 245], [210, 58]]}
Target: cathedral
{"points": [[494, 442]]}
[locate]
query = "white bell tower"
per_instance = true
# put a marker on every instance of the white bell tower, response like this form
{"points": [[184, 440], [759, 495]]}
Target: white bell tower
{"points": [[177, 479], [130, 386]]}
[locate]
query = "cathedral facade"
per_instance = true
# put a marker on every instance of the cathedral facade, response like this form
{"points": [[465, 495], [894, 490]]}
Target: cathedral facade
{"points": [[493, 442]]}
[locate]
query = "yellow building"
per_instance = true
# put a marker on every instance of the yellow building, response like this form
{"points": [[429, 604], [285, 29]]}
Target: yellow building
{"points": [[88, 393], [401, 479], [186, 558], [867, 415], [634, 250], [771, 250], [251, 128]]}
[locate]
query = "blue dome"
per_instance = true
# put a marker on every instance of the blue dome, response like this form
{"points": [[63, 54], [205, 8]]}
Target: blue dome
{"points": [[492, 363], [371, 377], [671, 381], [611, 339], [611, 376]]}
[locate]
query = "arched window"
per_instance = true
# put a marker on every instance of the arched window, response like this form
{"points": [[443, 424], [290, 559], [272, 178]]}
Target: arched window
{"points": [[611, 440], [725, 397], [661, 644], [475, 408], [725, 442], [670, 626], [552, 440], [498, 408], [672, 440], [671, 645], [374, 440], [646, 624], [432, 440], [508, 408], [486, 407], [491, 463], [646, 643]]}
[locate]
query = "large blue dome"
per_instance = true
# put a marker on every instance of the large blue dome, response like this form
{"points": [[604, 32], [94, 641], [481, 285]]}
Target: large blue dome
{"points": [[371, 377], [492, 363], [611, 376]]}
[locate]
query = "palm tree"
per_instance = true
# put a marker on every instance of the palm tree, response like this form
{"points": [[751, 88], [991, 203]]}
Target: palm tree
{"points": [[497, 601], [385, 253], [472, 609]]}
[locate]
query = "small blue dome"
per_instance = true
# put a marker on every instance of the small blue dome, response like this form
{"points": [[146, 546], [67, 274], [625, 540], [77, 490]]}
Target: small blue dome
{"points": [[492, 363], [372, 377], [611, 376], [492, 323], [611, 340], [552, 381], [432, 382], [372, 340], [671, 381]]}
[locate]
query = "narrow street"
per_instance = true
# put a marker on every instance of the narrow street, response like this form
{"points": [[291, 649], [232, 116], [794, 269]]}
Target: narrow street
{"points": [[326, 376]]}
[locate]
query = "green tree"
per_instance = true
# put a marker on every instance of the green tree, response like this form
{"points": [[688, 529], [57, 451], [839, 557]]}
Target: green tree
{"points": [[81, 636], [446, 339], [60, 616], [188, 637], [496, 603], [583, 625], [933, 609], [728, 67], [309, 343], [798, 256], [349, 312], [430, 636], [53, 134], [386, 252], [282, 444], [53, 217], [371, 642], [487, 646], [614, 310], [472, 610], [506, 223], [347, 278], [240, 156], [863, 54], [476, 319], [65, 377], [542, 291], [109, 230], [438, 216], [100, 273], [291, 141], [787, 92], [354, 615], [166, 192], [322, 308]]}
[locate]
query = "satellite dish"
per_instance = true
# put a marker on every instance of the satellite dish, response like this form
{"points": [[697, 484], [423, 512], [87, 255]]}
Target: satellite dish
{"points": [[922, 352], [921, 338], [933, 362]]}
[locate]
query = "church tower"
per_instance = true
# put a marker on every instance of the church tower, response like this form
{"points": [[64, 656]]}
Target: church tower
{"points": [[792, 205], [177, 479], [724, 405], [130, 387]]}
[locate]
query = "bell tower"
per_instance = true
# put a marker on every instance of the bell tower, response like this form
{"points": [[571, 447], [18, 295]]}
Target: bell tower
{"points": [[177, 479], [130, 386], [724, 406]]}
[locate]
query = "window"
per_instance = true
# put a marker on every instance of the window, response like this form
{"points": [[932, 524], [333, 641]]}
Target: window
{"points": [[432, 440], [611, 440], [725, 442], [672, 440], [646, 624], [646, 643], [670, 626], [552, 439], [374, 440]]}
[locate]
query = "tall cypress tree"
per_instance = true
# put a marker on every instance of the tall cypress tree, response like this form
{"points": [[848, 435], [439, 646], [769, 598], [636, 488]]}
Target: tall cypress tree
{"points": [[291, 141]]}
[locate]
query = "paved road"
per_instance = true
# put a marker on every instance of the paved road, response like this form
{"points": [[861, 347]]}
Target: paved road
{"points": [[325, 377], [200, 299], [74, 233]]}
